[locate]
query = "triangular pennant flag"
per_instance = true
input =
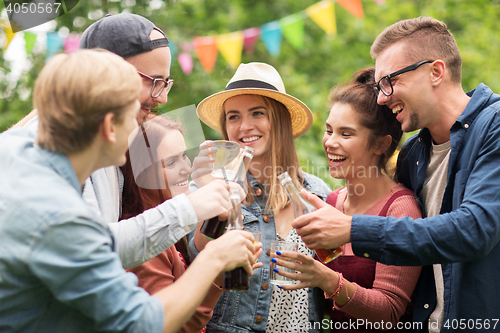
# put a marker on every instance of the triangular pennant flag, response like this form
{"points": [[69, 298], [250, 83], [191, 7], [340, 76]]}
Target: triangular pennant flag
{"points": [[323, 14], [29, 41], [54, 44], [173, 49], [186, 62], [72, 43], [9, 35], [206, 51], [353, 6], [250, 37], [293, 29], [270, 33], [187, 46], [231, 46]]}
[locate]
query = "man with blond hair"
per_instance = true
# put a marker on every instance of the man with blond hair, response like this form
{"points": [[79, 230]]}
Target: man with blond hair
{"points": [[452, 165], [58, 268]]}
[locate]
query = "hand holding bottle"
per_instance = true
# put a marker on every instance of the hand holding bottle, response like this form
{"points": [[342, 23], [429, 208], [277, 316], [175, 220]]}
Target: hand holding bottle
{"points": [[326, 227], [212, 200], [302, 206], [232, 250]]}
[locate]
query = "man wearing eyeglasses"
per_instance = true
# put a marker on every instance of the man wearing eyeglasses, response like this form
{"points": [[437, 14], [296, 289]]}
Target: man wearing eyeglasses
{"points": [[453, 167], [141, 238]]}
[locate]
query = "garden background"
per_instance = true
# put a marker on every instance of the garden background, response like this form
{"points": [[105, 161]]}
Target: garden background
{"points": [[310, 58]]}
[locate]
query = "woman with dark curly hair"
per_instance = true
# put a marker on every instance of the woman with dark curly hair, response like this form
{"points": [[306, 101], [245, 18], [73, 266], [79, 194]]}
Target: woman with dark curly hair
{"points": [[359, 139]]}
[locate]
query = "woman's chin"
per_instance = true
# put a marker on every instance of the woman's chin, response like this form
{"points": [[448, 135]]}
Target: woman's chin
{"points": [[336, 175]]}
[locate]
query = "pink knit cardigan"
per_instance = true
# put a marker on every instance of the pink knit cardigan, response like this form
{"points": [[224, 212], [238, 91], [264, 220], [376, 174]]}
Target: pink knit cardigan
{"points": [[393, 285]]}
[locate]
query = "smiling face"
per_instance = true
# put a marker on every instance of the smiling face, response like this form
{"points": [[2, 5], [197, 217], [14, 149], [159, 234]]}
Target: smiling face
{"points": [[347, 144], [247, 122], [155, 63], [411, 100], [176, 165]]}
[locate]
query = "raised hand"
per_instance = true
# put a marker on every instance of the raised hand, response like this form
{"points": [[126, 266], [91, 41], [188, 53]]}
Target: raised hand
{"points": [[234, 249], [212, 200], [310, 272], [202, 164]]}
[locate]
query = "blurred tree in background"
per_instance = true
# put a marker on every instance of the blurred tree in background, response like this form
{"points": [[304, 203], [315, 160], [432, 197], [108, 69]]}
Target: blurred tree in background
{"points": [[309, 74]]}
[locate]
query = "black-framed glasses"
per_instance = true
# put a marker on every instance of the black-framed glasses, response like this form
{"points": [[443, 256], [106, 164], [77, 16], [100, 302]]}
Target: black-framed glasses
{"points": [[158, 85], [385, 83]]}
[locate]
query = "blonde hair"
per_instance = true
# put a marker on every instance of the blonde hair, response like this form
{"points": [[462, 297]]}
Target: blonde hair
{"points": [[281, 155], [427, 39], [74, 92]]}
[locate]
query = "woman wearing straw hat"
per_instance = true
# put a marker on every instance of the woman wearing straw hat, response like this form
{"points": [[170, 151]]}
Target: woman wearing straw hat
{"points": [[255, 111]]}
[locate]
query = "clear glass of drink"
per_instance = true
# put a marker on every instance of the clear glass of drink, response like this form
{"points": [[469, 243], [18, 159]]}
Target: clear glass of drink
{"points": [[281, 246]]}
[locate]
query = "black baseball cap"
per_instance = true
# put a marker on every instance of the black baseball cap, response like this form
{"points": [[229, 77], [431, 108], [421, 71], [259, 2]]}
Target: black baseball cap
{"points": [[123, 34]]}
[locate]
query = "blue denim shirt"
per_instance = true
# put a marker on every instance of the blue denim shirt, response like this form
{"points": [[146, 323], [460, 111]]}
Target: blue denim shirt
{"points": [[243, 312], [465, 237], [58, 270]]}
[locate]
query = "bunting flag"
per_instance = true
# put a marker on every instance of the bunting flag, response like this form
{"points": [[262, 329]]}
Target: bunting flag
{"points": [[29, 42], [9, 35], [186, 62], [250, 37], [173, 49], [72, 43], [207, 52], [230, 46], [293, 29], [54, 44], [270, 33], [353, 6], [323, 14]]}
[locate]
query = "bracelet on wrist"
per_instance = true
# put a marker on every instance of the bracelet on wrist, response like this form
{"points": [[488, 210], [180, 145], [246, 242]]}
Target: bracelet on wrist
{"points": [[337, 291]]}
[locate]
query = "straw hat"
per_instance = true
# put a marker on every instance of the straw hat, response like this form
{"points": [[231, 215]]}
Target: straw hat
{"points": [[256, 79]]}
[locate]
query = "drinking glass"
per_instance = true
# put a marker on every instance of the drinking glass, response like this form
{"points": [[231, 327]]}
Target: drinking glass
{"points": [[278, 245]]}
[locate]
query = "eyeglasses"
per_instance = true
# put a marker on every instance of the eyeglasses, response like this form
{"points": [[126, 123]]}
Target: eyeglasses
{"points": [[158, 85], [385, 84]]}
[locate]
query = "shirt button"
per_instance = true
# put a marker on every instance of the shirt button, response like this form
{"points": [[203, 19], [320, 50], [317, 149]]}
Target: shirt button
{"points": [[265, 286], [366, 255], [150, 256], [268, 252], [266, 218], [258, 319], [417, 162], [187, 228], [259, 193], [426, 306], [466, 125]]}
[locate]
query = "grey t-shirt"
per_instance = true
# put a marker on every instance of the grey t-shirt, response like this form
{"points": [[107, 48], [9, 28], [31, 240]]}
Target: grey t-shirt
{"points": [[432, 196]]}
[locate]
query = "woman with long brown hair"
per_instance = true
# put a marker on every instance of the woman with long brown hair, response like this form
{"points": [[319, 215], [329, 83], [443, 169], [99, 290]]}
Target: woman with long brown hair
{"points": [[360, 137], [157, 169], [255, 111]]}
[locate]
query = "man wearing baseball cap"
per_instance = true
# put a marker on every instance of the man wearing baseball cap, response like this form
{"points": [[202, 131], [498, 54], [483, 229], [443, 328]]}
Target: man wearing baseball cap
{"points": [[141, 238]]}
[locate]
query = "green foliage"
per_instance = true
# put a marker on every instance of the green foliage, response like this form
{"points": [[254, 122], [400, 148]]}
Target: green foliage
{"points": [[309, 74]]}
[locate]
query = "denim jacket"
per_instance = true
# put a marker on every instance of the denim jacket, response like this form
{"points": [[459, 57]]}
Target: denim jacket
{"points": [[58, 270], [142, 237], [243, 312], [465, 237]]}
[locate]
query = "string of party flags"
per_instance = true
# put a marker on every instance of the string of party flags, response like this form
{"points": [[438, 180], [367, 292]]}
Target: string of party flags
{"points": [[229, 45]]}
